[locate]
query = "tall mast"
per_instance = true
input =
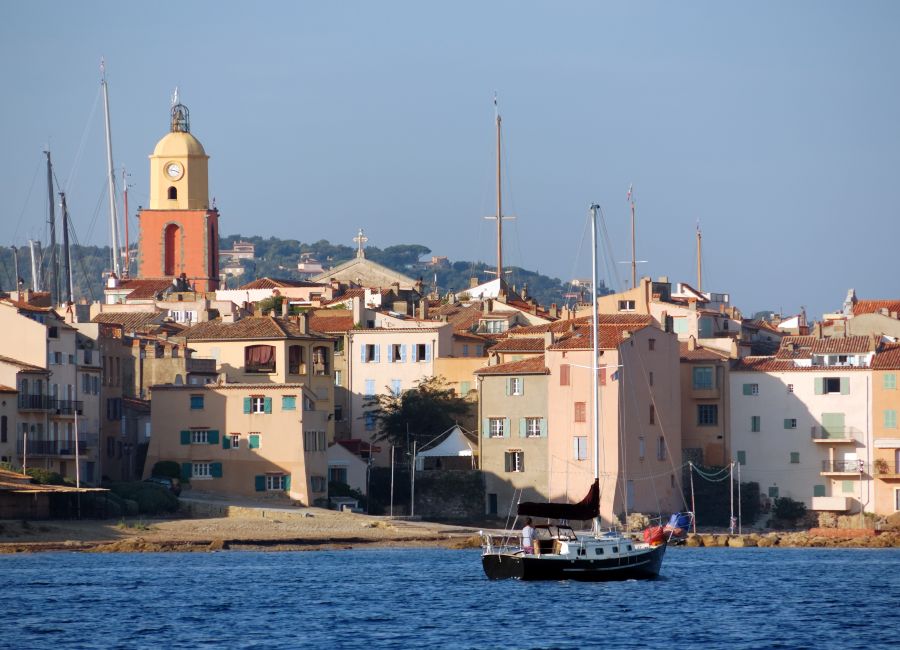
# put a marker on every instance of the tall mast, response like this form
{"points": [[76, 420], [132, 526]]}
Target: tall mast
{"points": [[51, 219], [633, 254], [35, 247], [113, 221], [499, 201], [126, 258], [18, 281], [699, 259], [595, 318], [67, 260]]}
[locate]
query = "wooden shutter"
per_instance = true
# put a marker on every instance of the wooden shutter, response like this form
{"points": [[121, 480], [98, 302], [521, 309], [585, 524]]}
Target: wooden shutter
{"points": [[260, 483], [523, 427], [402, 354], [390, 351], [254, 441], [564, 374], [748, 389], [543, 427], [506, 427], [428, 352], [267, 404], [248, 404], [485, 427], [185, 437], [215, 470], [362, 353], [287, 482], [845, 385], [820, 385], [415, 353], [212, 437], [186, 470], [226, 442], [508, 382], [377, 354]]}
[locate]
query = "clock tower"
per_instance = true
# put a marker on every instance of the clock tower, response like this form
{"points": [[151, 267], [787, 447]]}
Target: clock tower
{"points": [[179, 233]]}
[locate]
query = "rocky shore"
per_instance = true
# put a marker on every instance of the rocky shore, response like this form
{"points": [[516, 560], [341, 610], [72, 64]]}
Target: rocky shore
{"points": [[812, 538]]}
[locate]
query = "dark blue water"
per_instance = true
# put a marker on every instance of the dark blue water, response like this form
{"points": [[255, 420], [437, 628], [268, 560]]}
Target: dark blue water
{"points": [[401, 598]]}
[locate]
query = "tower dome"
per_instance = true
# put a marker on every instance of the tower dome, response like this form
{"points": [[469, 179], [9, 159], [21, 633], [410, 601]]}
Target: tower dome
{"points": [[178, 166]]}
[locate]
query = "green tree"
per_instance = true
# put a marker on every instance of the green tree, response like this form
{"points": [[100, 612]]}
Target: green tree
{"points": [[422, 413]]}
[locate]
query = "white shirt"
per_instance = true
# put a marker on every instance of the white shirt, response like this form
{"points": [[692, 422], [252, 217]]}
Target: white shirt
{"points": [[527, 536]]}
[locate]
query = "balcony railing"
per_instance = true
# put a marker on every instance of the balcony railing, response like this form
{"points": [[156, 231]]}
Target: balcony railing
{"points": [[201, 364], [36, 402], [843, 466], [59, 447], [834, 434], [68, 406]]}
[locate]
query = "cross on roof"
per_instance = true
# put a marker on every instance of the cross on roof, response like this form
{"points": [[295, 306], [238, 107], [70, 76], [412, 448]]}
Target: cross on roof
{"points": [[360, 240]]}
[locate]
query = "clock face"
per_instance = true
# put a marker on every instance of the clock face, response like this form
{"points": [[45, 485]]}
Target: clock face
{"points": [[174, 170]]}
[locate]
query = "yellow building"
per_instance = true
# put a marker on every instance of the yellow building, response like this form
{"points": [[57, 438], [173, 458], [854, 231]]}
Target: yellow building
{"points": [[885, 431]]}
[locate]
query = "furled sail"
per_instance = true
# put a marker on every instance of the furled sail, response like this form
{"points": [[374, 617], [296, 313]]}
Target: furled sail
{"points": [[587, 508]]}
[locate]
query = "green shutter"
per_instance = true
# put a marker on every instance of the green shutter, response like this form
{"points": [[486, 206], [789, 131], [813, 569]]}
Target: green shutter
{"points": [[820, 385], [890, 381], [287, 483], [185, 437], [543, 428], [267, 405], [845, 385], [212, 437], [773, 491], [748, 389], [288, 403], [186, 470], [506, 381], [485, 427], [215, 470], [818, 490], [226, 442], [248, 404], [795, 457], [787, 423], [523, 427], [260, 482], [506, 427], [742, 457], [254, 441], [833, 425], [465, 387], [890, 418]]}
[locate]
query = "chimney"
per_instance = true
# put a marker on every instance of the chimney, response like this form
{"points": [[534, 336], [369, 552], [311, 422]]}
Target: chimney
{"points": [[285, 307], [473, 282], [423, 308], [303, 322], [358, 310], [487, 306], [692, 343], [395, 287]]}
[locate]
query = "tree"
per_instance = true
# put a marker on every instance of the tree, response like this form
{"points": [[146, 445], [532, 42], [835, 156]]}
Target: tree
{"points": [[422, 413]]}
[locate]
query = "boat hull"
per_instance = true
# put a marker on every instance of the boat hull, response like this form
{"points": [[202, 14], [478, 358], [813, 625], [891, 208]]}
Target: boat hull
{"points": [[642, 566]]}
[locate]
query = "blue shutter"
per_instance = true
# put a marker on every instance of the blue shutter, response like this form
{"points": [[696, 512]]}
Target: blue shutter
{"points": [[248, 404], [523, 427], [415, 353], [267, 404], [402, 354], [215, 470], [377, 354], [287, 483], [370, 387], [212, 437], [506, 427], [260, 483], [543, 427], [390, 351], [185, 437], [186, 470], [226, 442], [485, 428], [362, 353], [428, 352]]}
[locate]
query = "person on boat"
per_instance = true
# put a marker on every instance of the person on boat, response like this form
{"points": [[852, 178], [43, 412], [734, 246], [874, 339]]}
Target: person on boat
{"points": [[528, 537]]}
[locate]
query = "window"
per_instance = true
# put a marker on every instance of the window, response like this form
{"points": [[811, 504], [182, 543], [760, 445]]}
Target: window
{"points": [[338, 377], [533, 427], [296, 360], [371, 353], [317, 483], [338, 413], [847, 487], [258, 404], [649, 377], [196, 402], [72, 359], [259, 358], [321, 366], [890, 418], [642, 448], [795, 457], [773, 491], [4, 428], [579, 447], [790, 388], [199, 437], [755, 423], [515, 386], [703, 378], [370, 421], [742, 458], [493, 326], [581, 411], [890, 381], [790, 423], [396, 386], [173, 193], [818, 490], [651, 344], [661, 448], [707, 415], [829, 385], [337, 475], [288, 402], [201, 470], [496, 428], [397, 353], [275, 483], [235, 441], [564, 374], [254, 440], [314, 441], [751, 389], [652, 414], [465, 349], [422, 352], [370, 387], [53, 332], [515, 460], [626, 305]]}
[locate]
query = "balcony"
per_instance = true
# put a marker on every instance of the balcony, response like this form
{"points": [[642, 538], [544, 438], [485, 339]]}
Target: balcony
{"points": [[86, 442], [36, 403], [705, 393], [845, 468], [833, 435], [68, 406], [201, 365], [831, 504]]}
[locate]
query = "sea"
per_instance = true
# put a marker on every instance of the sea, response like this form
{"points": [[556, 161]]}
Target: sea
{"points": [[437, 598]]}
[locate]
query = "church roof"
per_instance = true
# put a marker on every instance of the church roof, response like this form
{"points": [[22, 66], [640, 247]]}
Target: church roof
{"points": [[365, 273]]}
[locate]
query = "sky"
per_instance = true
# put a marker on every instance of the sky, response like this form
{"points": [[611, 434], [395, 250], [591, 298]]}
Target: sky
{"points": [[774, 125]]}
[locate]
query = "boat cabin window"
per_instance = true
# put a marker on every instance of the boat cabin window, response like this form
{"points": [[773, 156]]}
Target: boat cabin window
{"points": [[598, 550], [615, 549], [173, 193]]}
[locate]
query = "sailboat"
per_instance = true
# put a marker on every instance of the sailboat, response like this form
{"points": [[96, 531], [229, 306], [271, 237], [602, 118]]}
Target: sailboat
{"points": [[560, 553]]}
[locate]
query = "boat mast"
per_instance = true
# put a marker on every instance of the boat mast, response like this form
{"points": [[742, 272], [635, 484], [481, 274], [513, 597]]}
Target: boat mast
{"points": [[699, 259], [18, 282], [113, 221], [126, 257], [67, 259], [595, 346], [35, 264], [499, 216], [633, 254], [51, 219]]}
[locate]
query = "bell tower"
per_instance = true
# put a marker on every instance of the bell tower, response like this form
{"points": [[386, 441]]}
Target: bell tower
{"points": [[179, 233]]}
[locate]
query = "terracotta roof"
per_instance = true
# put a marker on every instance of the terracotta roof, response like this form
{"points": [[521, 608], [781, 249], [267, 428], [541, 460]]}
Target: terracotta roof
{"points": [[846, 345], [228, 386], [248, 329], [137, 404], [7, 389], [21, 364], [771, 364], [131, 321], [514, 344], [874, 306], [347, 295], [699, 353], [143, 288], [26, 306], [462, 317], [279, 283], [888, 358], [465, 335], [340, 321], [532, 366], [610, 336]]}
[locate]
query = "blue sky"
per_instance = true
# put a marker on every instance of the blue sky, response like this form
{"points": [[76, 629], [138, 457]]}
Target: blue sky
{"points": [[774, 124]]}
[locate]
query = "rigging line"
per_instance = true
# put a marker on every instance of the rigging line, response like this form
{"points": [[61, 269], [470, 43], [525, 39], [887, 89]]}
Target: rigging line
{"points": [[76, 246], [84, 135], [97, 209], [637, 417], [609, 251], [578, 252], [27, 199]]}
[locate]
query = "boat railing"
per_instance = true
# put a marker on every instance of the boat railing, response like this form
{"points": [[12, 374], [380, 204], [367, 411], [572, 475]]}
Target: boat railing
{"points": [[502, 542]]}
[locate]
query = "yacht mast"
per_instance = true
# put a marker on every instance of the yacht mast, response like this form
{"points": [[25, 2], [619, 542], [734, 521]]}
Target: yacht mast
{"points": [[35, 248], [51, 219], [113, 221], [499, 216], [699, 259], [633, 253], [67, 259], [126, 258], [595, 345]]}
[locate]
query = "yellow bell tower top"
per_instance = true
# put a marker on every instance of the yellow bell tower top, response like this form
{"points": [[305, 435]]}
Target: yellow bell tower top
{"points": [[179, 169]]}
